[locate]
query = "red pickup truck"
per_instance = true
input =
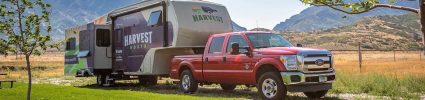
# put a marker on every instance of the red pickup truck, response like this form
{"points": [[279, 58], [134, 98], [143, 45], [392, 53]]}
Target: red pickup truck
{"points": [[263, 59]]}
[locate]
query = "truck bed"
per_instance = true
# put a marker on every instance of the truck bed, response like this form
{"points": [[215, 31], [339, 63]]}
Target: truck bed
{"points": [[195, 60]]}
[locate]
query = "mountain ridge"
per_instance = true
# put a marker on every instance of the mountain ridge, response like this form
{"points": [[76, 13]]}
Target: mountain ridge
{"points": [[321, 18], [400, 32]]}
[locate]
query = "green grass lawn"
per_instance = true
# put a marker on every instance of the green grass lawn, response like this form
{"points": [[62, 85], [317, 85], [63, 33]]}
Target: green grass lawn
{"points": [[54, 92]]}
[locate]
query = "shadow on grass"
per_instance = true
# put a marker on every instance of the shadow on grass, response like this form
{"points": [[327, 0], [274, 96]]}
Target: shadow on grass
{"points": [[203, 91]]}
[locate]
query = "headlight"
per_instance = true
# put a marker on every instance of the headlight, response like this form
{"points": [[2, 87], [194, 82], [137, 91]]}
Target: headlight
{"points": [[290, 62]]}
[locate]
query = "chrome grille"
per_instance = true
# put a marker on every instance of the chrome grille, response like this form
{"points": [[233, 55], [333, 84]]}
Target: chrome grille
{"points": [[317, 63]]}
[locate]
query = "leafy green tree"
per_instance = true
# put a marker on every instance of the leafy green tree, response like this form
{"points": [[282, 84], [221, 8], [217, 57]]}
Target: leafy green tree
{"points": [[23, 28], [363, 6]]}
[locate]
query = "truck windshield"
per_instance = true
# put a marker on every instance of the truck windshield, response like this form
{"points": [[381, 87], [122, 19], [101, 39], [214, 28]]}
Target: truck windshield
{"points": [[262, 40]]}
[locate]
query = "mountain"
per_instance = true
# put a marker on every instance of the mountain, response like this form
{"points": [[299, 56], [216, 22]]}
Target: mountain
{"points": [[238, 28], [377, 33], [322, 18], [70, 13], [261, 29]]}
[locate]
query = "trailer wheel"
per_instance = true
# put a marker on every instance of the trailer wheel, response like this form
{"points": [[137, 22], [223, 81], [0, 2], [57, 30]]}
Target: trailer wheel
{"points": [[148, 80], [228, 87], [318, 94], [271, 87], [188, 84], [100, 80]]}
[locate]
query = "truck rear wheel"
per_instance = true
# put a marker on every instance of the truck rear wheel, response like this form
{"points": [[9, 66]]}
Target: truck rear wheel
{"points": [[148, 80], [317, 94], [188, 84], [228, 87], [271, 87]]}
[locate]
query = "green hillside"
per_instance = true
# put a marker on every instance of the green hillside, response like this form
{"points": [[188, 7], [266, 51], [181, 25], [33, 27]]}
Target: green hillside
{"points": [[378, 33]]}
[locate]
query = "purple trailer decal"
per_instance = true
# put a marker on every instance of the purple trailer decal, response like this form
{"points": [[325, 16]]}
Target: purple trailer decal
{"points": [[134, 38]]}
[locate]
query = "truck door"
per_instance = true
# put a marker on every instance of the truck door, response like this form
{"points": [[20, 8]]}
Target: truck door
{"points": [[238, 67], [213, 60]]}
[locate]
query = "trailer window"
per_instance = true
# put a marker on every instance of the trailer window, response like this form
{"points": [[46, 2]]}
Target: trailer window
{"points": [[155, 18], [103, 37], [70, 44], [216, 44], [119, 33]]}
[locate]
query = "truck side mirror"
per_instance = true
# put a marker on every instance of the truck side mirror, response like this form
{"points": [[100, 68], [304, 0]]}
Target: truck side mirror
{"points": [[248, 51], [235, 49], [103, 37], [299, 45]]}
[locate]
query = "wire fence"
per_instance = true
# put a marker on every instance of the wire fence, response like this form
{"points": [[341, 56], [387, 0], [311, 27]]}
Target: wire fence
{"points": [[376, 57]]}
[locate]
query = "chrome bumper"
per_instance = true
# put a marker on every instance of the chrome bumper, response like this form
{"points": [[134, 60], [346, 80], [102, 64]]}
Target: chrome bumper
{"points": [[300, 78]]}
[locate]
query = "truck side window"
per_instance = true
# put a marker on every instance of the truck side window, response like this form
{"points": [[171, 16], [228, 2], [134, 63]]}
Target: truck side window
{"points": [[216, 44], [238, 39], [70, 44], [155, 18]]}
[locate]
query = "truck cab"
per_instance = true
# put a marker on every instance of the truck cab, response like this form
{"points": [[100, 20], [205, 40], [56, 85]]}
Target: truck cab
{"points": [[263, 59]]}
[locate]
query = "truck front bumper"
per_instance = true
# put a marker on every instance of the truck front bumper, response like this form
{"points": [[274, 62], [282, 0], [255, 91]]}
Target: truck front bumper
{"points": [[307, 82]]}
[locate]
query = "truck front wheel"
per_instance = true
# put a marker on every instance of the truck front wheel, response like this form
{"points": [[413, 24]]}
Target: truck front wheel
{"points": [[317, 94], [228, 87], [271, 87], [187, 83]]}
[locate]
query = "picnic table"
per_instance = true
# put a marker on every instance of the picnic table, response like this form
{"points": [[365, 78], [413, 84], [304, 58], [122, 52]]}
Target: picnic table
{"points": [[10, 81]]}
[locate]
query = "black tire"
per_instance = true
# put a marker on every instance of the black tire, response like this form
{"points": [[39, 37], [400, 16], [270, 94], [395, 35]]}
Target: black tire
{"points": [[228, 87], [315, 95], [86, 74], [100, 80], [272, 81], [148, 80], [192, 84]]}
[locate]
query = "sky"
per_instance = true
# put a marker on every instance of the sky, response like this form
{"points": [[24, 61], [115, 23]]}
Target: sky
{"points": [[268, 13]]}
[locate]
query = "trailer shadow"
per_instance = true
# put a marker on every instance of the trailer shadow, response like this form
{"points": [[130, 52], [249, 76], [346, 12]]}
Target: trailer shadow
{"points": [[203, 91]]}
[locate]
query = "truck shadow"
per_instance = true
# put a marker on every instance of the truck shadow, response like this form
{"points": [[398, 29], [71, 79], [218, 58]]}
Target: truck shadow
{"points": [[203, 91]]}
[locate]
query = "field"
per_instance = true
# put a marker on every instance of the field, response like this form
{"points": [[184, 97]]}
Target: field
{"points": [[381, 74], [381, 77]]}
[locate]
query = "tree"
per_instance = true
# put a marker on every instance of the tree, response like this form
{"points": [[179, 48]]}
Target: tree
{"points": [[23, 28], [363, 6]]}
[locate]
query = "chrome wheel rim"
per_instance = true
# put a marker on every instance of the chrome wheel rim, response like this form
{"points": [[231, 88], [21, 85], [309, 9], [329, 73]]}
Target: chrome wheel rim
{"points": [[269, 88], [186, 82]]}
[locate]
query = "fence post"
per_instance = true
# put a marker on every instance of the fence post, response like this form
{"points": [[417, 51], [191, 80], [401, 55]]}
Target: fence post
{"points": [[394, 54], [360, 57]]}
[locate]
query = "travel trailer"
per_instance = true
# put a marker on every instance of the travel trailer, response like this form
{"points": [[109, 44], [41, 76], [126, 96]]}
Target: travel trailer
{"points": [[141, 39]]}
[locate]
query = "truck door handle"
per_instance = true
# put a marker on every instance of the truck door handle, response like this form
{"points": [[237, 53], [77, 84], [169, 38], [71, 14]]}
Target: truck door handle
{"points": [[224, 59]]}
